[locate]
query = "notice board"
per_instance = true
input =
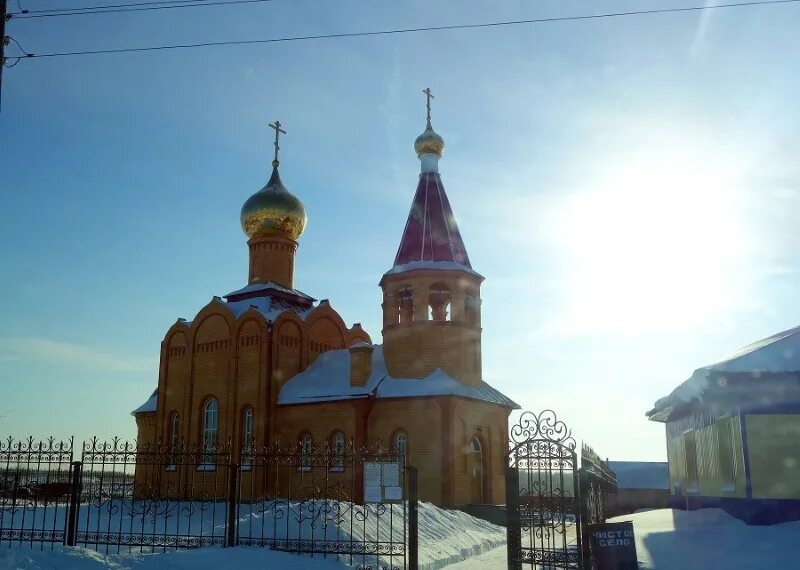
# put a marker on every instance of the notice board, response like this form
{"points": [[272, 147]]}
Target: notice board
{"points": [[382, 482]]}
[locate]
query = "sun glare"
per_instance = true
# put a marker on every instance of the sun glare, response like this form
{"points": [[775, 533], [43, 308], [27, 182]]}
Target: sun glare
{"points": [[650, 247]]}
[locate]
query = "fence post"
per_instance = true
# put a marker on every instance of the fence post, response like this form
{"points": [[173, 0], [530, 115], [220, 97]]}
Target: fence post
{"points": [[584, 492], [74, 503], [233, 502], [513, 531], [413, 518]]}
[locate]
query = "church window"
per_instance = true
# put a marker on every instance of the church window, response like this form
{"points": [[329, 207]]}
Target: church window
{"points": [[405, 304], [401, 445], [471, 305], [210, 423], [174, 439], [337, 447], [306, 448], [247, 438], [439, 302]]}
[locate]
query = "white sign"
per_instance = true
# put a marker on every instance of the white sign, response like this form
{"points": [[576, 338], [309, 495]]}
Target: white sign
{"points": [[393, 493], [391, 474], [372, 494]]}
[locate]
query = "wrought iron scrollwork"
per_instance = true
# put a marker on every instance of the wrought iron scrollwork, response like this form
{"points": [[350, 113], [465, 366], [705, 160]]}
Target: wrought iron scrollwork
{"points": [[542, 493], [544, 426]]}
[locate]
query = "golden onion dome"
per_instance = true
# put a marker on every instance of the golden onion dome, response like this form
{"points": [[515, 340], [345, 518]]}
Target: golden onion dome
{"points": [[273, 211], [429, 142]]}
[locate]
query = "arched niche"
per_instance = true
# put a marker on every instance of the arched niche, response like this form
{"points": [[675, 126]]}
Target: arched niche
{"points": [[439, 298]]}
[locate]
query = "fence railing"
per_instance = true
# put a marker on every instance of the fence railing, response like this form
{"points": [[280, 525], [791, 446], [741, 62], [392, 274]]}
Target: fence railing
{"points": [[123, 497], [598, 484]]}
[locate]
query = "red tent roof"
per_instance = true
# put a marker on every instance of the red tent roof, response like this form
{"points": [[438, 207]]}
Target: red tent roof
{"points": [[431, 232]]}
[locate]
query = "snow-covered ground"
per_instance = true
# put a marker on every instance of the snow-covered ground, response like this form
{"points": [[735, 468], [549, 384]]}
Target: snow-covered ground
{"points": [[445, 537], [691, 540], [710, 538], [665, 540]]}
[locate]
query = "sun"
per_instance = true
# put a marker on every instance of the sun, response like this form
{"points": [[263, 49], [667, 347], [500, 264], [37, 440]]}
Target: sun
{"points": [[651, 246]]}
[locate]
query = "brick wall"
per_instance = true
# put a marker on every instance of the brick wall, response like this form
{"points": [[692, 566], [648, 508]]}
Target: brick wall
{"points": [[414, 347], [272, 259]]}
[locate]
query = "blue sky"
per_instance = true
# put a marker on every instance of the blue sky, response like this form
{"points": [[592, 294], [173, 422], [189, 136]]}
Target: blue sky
{"points": [[628, 187]]}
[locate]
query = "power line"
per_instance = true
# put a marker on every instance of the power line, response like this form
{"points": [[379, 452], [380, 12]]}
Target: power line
{"points": [[413, 30], [132, 7], [126, 5]]}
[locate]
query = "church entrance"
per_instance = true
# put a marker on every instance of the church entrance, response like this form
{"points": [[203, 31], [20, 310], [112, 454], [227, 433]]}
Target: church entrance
{"points": [[475, 469]]}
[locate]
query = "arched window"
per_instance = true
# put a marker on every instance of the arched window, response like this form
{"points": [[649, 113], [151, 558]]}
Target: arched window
{"points": [[337, 448], [401, 445], [306, 447], [472, 304], [174, 439], [405, 304], [210, 423], [439, 302], [475, 445], [247, 437]]}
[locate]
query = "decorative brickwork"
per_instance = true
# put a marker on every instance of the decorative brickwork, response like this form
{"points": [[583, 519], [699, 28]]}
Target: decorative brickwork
{"points": [[239, 356], [272, 259]]}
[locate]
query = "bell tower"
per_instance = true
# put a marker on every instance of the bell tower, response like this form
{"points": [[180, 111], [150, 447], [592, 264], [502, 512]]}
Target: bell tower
{"points": [[431, 295]]}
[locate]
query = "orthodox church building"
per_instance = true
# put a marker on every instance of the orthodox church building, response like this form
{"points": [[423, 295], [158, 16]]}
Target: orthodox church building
{"points": [[269, 362]]}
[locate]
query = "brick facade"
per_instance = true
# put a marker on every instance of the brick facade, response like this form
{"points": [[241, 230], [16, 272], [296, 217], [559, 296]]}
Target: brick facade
{"points": [[234, 357]]}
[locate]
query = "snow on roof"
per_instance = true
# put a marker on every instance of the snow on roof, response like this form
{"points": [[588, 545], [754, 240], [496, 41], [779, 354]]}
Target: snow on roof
{"points": [[641, 474], [778, 353], [451, 265], [149, 406], [328, 378], [270, 307], [269, 285]]}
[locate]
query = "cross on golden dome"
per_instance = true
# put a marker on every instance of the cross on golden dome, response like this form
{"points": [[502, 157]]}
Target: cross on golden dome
{"points": [[278, 130], [429, 142], [428, 95]]}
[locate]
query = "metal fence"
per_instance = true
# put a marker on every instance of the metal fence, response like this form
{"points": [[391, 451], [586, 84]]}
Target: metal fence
{"points": [[35, 487], [598, 483], [121, 497], [550, 501]]}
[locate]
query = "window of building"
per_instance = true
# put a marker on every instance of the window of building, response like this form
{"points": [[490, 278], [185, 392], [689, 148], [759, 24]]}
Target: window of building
{"points": [[247, 438], [439, 302], [174, 439], [401, 445], [306, 449], [690, 450], [405, 304], [475, 445], [210, 423], [337, 447], [727, 469], [471, 306]]}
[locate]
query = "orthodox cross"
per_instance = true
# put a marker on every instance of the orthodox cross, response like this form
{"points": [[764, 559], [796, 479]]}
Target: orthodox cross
{"points": [[278, 130], [428, 96]]}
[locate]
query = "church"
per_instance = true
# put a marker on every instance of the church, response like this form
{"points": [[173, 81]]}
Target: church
{"points": [[268, 362]]}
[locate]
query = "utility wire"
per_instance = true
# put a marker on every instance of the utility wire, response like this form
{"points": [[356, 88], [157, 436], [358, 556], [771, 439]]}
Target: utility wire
{"points": [[128, 4], [133, 7], [413, 30]]}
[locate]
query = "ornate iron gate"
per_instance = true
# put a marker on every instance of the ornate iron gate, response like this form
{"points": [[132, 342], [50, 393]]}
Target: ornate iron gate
{"points": [[542, 494]]}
